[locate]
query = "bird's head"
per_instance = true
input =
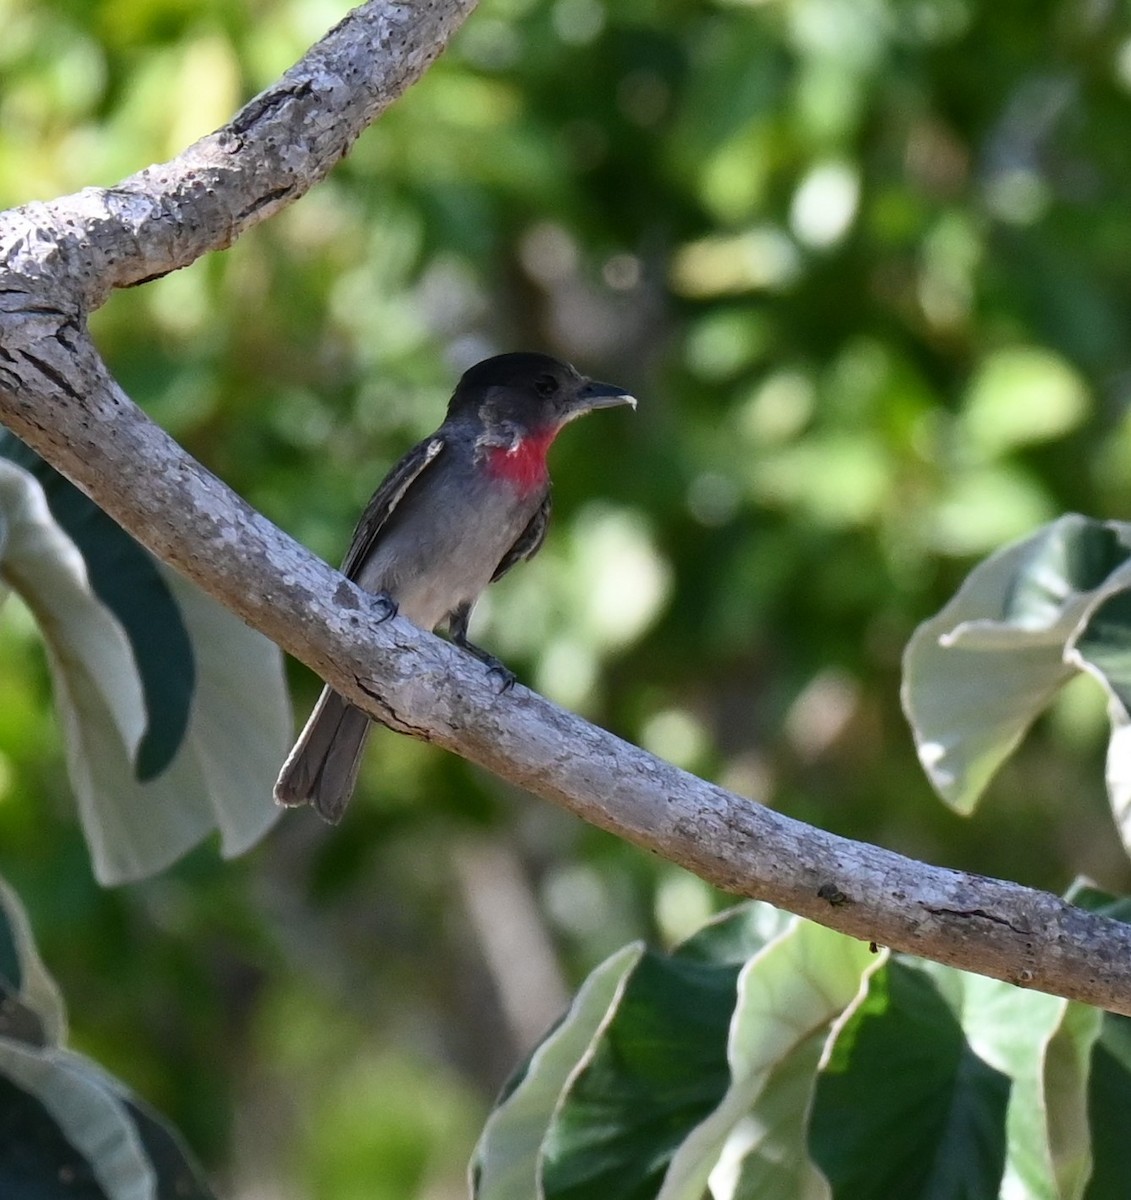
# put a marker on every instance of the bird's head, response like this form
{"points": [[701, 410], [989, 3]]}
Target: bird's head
{"points": [[524, 394]]}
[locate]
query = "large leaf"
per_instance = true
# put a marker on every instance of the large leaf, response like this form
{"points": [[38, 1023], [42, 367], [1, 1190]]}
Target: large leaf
{"points": [[222, 774], [128, 581], [657, 1067], [151, 782], [978, 674], [905, 1107], [241, 724], [66, 1127], [1044, 1045], [31, 1008], [1109, 1102], [788, 995], [506, 1162], [92, 662]]}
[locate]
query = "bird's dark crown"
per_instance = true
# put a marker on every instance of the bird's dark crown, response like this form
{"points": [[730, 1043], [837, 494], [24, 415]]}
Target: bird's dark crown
{"points": [[524, 388]]}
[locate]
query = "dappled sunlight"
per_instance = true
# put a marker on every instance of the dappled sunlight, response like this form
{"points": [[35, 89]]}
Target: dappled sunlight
{"points": [[825, 204], [721, 265]]}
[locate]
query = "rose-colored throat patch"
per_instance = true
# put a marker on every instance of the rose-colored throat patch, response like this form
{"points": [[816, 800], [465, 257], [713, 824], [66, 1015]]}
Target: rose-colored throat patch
{"points": [[523, 465]]}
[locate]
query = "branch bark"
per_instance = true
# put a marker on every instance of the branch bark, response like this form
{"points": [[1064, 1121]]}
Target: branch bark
{"points": [[59, 260]]}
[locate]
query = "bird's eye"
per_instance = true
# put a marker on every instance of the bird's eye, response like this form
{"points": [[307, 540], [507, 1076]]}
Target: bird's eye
{"points": [[545, 385]]}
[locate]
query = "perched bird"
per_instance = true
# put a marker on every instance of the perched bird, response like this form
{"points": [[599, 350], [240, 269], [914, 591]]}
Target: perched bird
{"points": [[455, 514]]}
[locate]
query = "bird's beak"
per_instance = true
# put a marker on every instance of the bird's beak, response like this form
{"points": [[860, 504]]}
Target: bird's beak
{"points": [[593, 394]]}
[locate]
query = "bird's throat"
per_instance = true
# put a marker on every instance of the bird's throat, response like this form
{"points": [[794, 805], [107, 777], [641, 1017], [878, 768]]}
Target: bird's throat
{"points": [[523, 464]]}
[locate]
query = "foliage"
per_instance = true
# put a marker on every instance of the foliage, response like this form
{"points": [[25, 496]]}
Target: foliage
{"points": [[174, 712], [979, 673], [810, 1067], [861, 260], [69, 1130]]}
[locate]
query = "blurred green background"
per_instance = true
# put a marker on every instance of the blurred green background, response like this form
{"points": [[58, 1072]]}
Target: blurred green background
{"points": [[867, 264]]}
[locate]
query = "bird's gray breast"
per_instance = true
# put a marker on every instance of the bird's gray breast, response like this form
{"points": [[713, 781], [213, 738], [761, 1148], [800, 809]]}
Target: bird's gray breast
{"points": [[445, 538]]}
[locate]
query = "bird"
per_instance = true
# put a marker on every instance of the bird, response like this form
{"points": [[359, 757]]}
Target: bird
{"points": [[454, 515]]}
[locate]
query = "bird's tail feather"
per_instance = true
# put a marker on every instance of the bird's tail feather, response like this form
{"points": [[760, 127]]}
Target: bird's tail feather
{"points": [[322, 768]]}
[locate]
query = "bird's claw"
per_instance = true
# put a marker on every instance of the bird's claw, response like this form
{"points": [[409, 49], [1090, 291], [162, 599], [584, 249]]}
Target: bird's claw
{"points": [[386, 607], [504, 675]]}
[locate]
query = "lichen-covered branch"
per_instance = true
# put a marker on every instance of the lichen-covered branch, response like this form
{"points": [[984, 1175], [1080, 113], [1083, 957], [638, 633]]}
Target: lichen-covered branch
{"points": [[59, 260]]}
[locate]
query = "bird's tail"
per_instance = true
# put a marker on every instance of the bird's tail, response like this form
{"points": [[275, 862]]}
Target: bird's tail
{"points": [[322, 768]]}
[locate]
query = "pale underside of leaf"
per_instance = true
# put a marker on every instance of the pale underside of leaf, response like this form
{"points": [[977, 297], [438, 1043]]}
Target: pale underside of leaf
{"points": [[974, 682], [1043, 1043], [242, 722], [506, 1160], [38, 990], [221, 776], [91, 658], [89, 1113], [790, 991]]}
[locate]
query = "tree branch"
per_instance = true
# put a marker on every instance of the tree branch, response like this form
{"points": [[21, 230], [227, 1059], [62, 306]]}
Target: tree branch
{"points": [[59, 260]]}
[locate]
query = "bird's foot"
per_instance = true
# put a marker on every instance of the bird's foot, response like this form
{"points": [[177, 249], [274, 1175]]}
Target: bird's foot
{"points": [[386, 607], [495, 668], [504, 675]]}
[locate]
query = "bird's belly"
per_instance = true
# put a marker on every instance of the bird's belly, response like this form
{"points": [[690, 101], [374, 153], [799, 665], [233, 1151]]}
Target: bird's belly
{"points": [[428, 599], [430, 567]]}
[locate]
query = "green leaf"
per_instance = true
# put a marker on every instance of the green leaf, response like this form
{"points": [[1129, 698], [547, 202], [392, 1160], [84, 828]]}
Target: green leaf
{"points": [[905, 1107], [222, 775], [91, 660], [66, 1127], [788, 994], [108, 1137], [768, 1154], [37, 1162], [1102, 647], [226, 756], [658, 1067], [506, 1162], [977, 674], [31, 1008], [1044, 1045], [1109, 1102], [126, 578]]}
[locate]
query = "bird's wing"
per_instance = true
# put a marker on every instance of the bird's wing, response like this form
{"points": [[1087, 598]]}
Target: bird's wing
{"points": [[529, 541], [385, 499]]}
